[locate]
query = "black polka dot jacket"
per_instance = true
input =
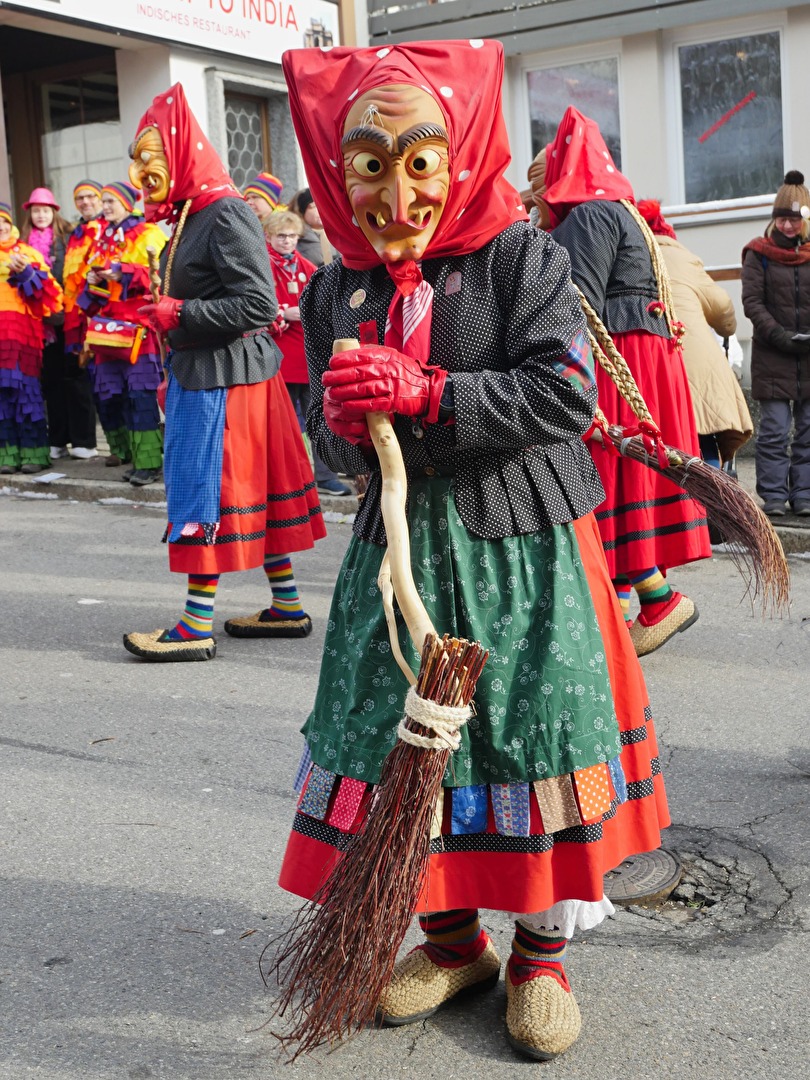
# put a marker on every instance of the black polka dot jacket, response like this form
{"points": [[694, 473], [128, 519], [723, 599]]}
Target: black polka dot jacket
{"points": [[507, 326], [221, 272]]}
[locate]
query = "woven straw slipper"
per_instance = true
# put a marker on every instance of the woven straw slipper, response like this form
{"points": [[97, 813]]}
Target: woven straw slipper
{"points": [[419, 988], [647, 639], [542, 1019], [255, 627], [151, 646]]}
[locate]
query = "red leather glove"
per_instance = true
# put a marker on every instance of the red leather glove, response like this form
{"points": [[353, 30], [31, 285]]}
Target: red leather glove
{"points": [[162, 316], [161, 395], [375, 378], [353, 430]]}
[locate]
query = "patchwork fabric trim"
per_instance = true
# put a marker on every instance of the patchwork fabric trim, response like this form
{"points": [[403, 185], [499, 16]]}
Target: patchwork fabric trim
{"points": [[479, 811]]}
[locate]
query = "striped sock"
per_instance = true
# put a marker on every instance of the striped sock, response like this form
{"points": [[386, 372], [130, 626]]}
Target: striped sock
{"points": [[286, 601], [654, 595], [536, 954], [623, 590], [454, 938], [198, 618]]}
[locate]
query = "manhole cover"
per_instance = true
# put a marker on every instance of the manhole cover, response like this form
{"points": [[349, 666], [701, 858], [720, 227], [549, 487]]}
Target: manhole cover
{"points": [[643, 879]]}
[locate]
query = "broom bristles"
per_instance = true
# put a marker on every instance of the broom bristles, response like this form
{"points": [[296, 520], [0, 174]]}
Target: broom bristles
{"points": [[340, 952], [753, 543]]}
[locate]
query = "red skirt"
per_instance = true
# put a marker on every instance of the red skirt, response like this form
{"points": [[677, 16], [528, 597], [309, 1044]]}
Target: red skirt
{"points": [[528, 873], [646, 520], [268, 502]]}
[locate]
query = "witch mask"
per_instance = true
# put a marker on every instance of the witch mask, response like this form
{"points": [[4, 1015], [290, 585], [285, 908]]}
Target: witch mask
{"points": [[150, 169], [396, 168]]}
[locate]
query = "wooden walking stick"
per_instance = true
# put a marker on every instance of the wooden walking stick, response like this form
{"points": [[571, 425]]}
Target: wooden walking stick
{"points": [[340, 954]]}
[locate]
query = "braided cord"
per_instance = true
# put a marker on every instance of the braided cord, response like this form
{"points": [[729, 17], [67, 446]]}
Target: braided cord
{"points": [[175, 241], [660, 271], [605, 351], [609, 357]]}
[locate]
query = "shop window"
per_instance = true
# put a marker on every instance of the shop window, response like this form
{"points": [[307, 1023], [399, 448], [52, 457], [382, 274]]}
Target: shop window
{"points": [[591, 86], [81, 131], [731, 109], [248, 137]]}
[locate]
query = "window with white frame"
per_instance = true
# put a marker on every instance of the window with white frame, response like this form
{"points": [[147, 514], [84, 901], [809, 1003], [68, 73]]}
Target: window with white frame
{"points": [[731, 116], [592, 86]]}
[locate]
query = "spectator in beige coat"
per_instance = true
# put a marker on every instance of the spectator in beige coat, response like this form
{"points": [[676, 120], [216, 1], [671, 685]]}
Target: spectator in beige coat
{"points": [[723, 421]]}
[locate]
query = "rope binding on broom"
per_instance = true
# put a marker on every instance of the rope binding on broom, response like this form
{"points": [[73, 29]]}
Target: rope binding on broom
{"points": [[444, 720]]}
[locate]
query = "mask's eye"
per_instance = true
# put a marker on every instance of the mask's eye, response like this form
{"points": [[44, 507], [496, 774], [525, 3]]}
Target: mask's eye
{"points": [[424, 162], [367, 165]]}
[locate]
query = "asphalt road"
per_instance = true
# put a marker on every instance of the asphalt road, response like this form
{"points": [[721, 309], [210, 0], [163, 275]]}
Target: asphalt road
{"points": [[144, 810]]}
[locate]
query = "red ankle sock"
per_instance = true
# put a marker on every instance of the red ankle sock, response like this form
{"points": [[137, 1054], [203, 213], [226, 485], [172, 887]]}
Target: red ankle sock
{"points": [[454, 938], [536, 954], [651, 614]]}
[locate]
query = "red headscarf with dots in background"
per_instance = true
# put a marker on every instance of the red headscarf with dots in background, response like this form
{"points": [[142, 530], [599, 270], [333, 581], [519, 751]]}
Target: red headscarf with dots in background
{"points": [[465, 79], [650, 210], [195, 168], [579, 168]]}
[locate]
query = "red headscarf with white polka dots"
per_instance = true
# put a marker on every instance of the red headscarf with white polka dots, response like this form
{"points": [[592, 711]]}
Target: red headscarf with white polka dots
{"points": [[465, 78], [579, 167], [195, 168]]}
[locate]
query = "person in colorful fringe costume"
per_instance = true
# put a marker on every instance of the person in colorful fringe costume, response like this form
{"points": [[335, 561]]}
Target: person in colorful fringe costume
{"points": [[647, 524], [87, 199], [126, 367], [239, 486], [263, 196], [475, 344], [80, 410], [28, 294], [66, 384]]}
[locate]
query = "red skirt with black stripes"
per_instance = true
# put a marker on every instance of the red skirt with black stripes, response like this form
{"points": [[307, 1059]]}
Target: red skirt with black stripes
{"points": [[268, 502], [646, 520], [525, 873]]}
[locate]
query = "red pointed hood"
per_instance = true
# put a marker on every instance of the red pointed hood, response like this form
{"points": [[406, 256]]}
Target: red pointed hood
{"points": [[465, 79]]}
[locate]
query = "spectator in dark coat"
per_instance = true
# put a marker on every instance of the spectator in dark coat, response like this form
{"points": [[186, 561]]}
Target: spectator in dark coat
{"points": [[776, 298]]}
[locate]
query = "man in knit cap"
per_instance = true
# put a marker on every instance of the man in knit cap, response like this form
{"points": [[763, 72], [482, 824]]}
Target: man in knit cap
{"points": [[71, 412], [263, 195]]}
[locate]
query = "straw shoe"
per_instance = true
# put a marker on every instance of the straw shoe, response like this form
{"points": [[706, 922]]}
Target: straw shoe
{"points": [[542, 1018], [647, 639], [418, 987]]}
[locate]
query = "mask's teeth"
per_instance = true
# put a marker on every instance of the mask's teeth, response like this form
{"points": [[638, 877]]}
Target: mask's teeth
{"points": [[381, 222], [421, 214]]}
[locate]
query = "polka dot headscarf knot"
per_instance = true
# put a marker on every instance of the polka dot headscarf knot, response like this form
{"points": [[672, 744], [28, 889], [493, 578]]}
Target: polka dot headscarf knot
{"points": [[579, 167], [465, 79]]}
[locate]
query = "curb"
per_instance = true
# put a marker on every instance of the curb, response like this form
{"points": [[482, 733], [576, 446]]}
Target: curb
{"points": [[96, 490]]}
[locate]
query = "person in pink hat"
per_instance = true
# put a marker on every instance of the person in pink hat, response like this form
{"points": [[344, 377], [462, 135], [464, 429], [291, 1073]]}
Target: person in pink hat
{"points": [[65, 386], [28, 295]]}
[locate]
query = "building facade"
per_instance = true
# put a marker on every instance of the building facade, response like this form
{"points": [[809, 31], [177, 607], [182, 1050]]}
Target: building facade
{"points": [[701, 101], [78, 74]]}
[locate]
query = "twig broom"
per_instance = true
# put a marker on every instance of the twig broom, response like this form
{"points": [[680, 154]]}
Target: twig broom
{"points": [[340, 954]]}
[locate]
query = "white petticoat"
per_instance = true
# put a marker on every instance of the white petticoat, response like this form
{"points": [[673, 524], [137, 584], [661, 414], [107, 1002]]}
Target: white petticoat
{"points": [[566, 916]]}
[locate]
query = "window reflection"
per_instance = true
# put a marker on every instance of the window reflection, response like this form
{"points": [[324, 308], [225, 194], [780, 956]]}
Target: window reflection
{"points": [[591, 86], [731, 101], [81, 132]]}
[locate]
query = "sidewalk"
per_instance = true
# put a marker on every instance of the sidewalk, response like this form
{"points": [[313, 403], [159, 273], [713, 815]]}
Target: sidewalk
{"points": [[94, 481]]}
